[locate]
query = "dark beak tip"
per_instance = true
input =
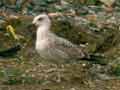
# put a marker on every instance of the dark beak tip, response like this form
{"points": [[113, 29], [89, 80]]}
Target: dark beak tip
{"points": [[31, 25]]}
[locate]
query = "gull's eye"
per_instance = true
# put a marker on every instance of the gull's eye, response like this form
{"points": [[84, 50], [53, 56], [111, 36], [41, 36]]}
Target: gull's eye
{"points": [[40, 19]]}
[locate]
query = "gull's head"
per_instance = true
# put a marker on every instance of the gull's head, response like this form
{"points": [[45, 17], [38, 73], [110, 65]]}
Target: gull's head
{"points": [[41, 20]]}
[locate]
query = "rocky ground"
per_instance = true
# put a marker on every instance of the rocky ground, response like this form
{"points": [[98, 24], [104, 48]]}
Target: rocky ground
{"points": [[95, 26]]}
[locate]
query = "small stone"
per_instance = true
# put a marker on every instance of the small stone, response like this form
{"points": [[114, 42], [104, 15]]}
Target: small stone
{"points": [[32, 75], [72, 89], [84, 65], [23, 75]]}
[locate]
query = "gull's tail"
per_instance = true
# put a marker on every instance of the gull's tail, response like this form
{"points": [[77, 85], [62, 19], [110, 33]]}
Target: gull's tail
{"points": [[96, 58]]}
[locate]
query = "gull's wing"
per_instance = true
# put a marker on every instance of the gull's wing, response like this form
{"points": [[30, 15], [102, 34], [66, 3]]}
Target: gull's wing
{"points": [[72, 50]]}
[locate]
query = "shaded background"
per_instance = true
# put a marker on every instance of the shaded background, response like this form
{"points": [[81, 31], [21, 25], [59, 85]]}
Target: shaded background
{"points": [[96, 25]]}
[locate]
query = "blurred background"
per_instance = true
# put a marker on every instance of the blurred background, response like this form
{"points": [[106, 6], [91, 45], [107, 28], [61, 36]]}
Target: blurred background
{"points": [[96, 24]]}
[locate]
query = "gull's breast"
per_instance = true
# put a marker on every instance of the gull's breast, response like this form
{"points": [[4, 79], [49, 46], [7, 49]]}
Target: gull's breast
{"points": [[42, 44], [47, 50]]}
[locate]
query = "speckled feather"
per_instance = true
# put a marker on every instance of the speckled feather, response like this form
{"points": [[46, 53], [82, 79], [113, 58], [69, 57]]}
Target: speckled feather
{"points": [[52, 47]]}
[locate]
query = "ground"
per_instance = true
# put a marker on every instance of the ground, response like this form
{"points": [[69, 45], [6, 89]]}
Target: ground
{"points": [[95, 26]]}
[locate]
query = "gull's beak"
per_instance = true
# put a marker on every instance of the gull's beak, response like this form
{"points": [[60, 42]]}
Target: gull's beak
{"points": [[33, 22], [32, 26]]}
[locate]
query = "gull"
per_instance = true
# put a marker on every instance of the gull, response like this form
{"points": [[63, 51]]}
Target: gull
{"points": [[52, 47]]}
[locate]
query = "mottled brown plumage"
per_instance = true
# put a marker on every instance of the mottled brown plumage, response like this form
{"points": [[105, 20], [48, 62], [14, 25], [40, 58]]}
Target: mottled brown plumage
{"points": [[50, 46]]}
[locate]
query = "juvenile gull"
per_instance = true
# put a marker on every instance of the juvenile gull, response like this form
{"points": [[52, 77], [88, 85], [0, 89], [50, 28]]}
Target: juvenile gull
{"points": [[52, 47]]}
